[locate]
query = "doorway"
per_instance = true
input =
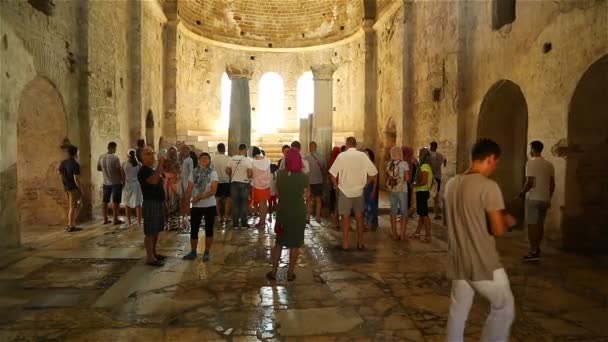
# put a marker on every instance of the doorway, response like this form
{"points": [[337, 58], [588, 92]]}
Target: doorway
{"points": [[585, 215], [150, 129], [503, 117]]}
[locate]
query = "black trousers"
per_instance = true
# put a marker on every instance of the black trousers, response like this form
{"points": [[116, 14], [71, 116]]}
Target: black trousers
{"points": [[197, 215]]}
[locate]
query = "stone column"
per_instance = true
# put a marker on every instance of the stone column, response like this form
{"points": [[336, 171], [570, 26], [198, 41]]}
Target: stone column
{"points": [[323, 108], [304, 134], [370, 127], [239, 127], [169, 129]]}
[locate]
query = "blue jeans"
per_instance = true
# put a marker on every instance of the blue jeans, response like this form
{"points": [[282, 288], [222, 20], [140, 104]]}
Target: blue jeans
{"points": [[239, 192], [398, 202], [370, 213]]}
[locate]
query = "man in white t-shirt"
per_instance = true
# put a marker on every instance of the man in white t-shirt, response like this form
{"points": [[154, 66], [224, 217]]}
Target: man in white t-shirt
{"points": [[351, 171], [220, 162], [240, 170], [538, 190]]}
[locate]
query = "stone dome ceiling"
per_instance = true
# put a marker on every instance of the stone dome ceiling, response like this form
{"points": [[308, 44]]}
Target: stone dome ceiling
{"points": [[272, 23]]}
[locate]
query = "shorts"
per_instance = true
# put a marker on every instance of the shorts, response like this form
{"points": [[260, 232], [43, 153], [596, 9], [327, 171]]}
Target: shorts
{"points": [[422, 203], [223, 190], [536, 211], [74, 197], [260, 195], [399, 203], [154, 217], [348, 204], [316, 190], [114, 192]]}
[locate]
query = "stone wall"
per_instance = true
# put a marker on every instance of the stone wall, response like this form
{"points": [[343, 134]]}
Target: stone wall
{"points": [[153, 23], [451, 57], [201, 63], [85, 73], [36, 46], [545, 51], [273, 23]]}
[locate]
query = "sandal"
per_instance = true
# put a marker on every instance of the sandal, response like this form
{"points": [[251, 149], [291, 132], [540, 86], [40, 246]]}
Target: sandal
{"points": [[416, 236], [107, 222], [271, 276], [425, 239], [291, 277], [361, 247], [340, 248], [161, 257], [156, 263]]}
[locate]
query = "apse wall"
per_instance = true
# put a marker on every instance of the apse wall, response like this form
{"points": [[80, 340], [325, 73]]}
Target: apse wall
{"points": [[201, 62]]}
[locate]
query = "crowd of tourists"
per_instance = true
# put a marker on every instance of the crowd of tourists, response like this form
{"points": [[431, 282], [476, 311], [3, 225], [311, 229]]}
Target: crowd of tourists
{"points": [[180, 188]]}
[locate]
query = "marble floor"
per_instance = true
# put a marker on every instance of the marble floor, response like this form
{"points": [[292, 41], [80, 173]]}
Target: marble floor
{"points": [[92, 285]]}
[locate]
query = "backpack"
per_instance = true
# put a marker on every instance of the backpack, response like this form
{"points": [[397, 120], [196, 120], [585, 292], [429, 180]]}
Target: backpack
{"points": [[394, 182]]}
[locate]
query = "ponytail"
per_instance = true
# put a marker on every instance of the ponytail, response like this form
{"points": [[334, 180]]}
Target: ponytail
{"points": [[133, 158]]}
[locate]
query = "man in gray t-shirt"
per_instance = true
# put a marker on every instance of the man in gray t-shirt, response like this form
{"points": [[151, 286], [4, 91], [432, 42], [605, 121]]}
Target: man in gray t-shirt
{"points": [[475, 214], [109, 165], [316, 167]]}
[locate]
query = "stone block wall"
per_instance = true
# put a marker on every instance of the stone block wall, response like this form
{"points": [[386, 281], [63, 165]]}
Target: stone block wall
{"points": [[450, 56], [201, 63], [87, 77]]}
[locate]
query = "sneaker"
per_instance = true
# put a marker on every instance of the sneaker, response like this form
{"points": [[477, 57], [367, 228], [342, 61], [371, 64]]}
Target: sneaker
{"points": [[206, 257], [190, 256], [532, 256]]}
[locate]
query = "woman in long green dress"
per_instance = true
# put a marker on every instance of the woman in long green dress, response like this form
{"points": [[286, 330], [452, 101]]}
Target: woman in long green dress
{"points": [[292, 184]]}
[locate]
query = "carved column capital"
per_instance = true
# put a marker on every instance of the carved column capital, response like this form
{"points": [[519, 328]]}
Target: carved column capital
{"points": [[234, 71], [323, 71]]}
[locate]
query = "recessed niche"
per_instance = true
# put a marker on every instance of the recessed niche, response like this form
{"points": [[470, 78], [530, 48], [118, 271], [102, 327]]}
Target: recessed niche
{"points": [[5, 42], [253, 108], [334, 109], [270, 45], [547, 47], [437, 94], [109, 92], [242, 33], [335, 53], [252, 58], [338, 80], [341, 28], [303, 35], [206, 50], [198, 22], [288, 108], [208, 82], [503, 13], [121, 83], [45, 6], [8, 75]]}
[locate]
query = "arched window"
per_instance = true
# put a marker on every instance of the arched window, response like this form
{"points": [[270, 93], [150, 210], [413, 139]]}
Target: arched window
{"points": [[271, 97], [305, 94], [226, 85]]}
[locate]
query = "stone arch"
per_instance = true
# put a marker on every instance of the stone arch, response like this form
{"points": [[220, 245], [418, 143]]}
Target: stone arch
{"points": [[503, 117], [150, 128], [41, 128], [585, 219]]}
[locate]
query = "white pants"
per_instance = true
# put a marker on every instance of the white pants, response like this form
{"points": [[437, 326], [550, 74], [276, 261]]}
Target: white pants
{"points": [[497, 292]]}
